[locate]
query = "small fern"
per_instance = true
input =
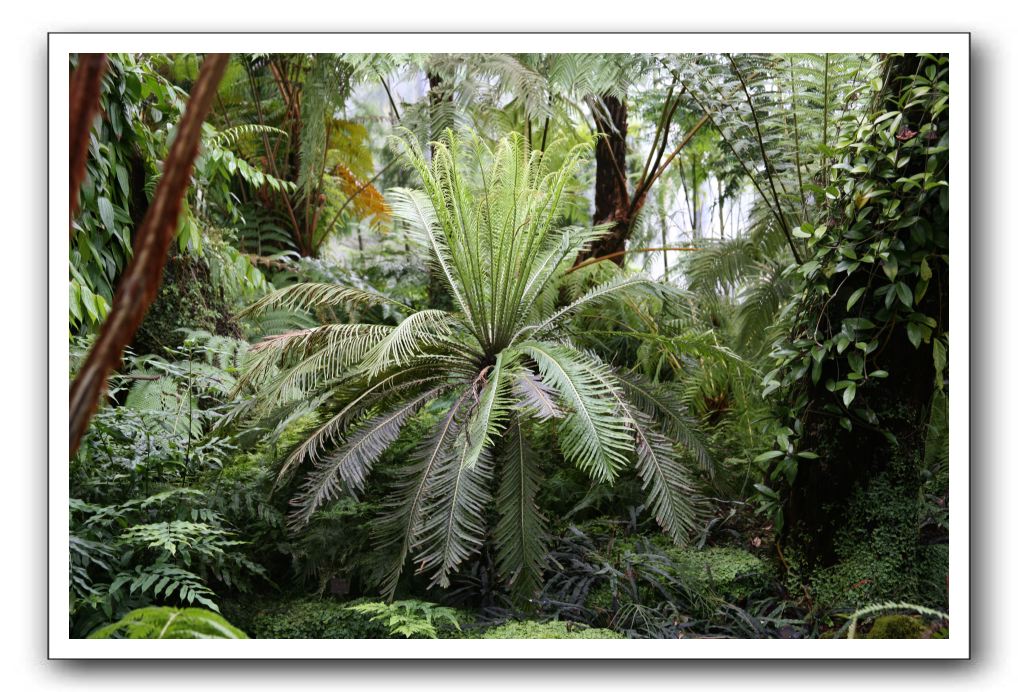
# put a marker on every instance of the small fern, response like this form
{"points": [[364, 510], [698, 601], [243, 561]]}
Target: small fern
{"points": [[409, 618]]}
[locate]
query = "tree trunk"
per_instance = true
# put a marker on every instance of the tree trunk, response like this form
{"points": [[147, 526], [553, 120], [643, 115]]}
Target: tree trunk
{"points": [[611, 192], [438, 293]]}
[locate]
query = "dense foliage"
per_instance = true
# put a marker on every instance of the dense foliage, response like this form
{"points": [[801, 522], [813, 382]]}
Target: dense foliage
{"points": [[390, 387]]}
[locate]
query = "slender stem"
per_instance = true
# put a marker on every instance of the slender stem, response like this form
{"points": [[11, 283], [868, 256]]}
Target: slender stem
{"points": [[395, 111], [601, 258], [675, 152], [768, 169]]}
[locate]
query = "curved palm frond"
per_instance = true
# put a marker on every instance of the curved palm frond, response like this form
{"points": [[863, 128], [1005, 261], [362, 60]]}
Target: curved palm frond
{"points": [[346, 469], [307, 295], [594, 435], [520, 533]]}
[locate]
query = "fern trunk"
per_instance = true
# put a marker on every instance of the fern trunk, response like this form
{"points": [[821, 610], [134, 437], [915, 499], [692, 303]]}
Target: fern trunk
{"points": [[611, 193]]}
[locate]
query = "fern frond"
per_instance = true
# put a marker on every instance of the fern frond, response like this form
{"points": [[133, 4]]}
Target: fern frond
{"points": [[536, 398], [402, 525], [453, 523], [346, 469], [521, 533], [308, 295], [657, 401], [669, 489], [411, 338], [160, 622], [593, 435]]}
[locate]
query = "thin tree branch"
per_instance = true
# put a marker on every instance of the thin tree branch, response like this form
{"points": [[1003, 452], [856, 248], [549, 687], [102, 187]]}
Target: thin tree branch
{"points": [[664, 126], [671, 157], [140, 282], [395, 111], [601, 258], [768, 169], [86, 83]]}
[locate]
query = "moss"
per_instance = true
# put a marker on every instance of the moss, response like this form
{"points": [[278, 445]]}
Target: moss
{"points": [[187, 300], [896, 627], [304, 618], [877, 548], [600, 598], [880, 557], [557, 629], [731, 573]]}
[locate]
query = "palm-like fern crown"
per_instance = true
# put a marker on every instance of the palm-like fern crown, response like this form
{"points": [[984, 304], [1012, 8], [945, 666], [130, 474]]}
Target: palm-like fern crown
{"points": [[495, 366]]}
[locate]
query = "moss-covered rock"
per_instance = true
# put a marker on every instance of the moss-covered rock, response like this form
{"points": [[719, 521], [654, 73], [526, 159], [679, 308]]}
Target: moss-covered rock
{"points": [[557, 629], [896, 627]]}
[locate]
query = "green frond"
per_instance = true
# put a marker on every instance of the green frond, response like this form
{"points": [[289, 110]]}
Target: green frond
{"points": [[520, 533], [594, 435], [663, 405], [415, 208], [308, 356], [535, 398], [453, 525], [232, 136], [347, 468], [403, 523], [669, 489], [488, 416], [327, 433], [310, 295], [599, 293], [160, 622], [411, 338]]}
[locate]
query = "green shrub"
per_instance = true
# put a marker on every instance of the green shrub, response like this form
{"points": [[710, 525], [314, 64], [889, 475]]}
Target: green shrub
{"points": [[879, 556], [307, 618], [412, 619], [557, 629]]}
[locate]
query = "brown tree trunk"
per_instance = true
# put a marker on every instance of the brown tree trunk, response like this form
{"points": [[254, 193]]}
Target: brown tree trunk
{"points": [[611, 192]]}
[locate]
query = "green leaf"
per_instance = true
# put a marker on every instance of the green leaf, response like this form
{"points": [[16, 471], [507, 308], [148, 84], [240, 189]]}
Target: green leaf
{"points": [[890, 267], [849, 394], [854, 298], [904, 293], [915, 333], [106, 213]]}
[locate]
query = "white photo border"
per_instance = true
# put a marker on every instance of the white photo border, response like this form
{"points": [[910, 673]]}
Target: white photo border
{"points": [[61, 646]]}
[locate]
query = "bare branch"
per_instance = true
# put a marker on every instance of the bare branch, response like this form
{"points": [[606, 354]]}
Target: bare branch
{"points": [[140, 281]]}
